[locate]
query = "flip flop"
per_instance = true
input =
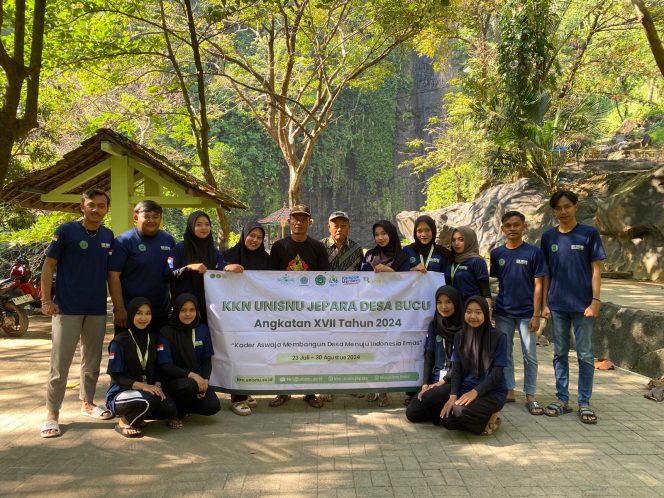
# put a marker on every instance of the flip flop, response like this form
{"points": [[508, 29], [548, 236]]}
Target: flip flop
{"points": [[50, 425], [98, 413], [175, 423], [128, 431]]}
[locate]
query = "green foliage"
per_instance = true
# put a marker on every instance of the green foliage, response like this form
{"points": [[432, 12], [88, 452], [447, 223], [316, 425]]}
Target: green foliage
{"points": [[41, 231], [657, 133]]}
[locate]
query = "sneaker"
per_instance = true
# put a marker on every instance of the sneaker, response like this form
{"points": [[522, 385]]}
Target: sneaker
{"points": [[240, 408]]}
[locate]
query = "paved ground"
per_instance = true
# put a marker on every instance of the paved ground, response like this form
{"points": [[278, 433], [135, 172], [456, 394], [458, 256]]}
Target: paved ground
{"points": [[348, 448], [635, 294]]}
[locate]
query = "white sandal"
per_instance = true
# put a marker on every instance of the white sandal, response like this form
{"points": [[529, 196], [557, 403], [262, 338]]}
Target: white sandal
{"points": [[240, 408], [98, 413], [50, 425]]}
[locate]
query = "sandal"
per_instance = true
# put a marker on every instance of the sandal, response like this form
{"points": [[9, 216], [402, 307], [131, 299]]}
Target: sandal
{"points": [[326, 397], [98, 412], [251, 402], [279, 400], [50, 428], [240, 408], [383, 400], [587, 415], [407, 399], [556, 409], [492, 427], [534, 408], [128, 431], [372, 397], [313, 401], [175, 423]]}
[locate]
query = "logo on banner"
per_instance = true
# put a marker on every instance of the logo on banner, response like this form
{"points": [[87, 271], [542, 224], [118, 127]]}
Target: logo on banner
{"points": [[350, 280], [286, 280], [320, 280], [334, 281], [304, 280]]}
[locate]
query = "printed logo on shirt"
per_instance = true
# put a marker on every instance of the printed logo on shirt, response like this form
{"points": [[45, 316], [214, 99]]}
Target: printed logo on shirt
{"points": [[521, 261], [462, 268], [501, 262], [160, 347], [170, 262], [439, 338], [577, 247], [142, 248], [297, 264], [55, 237], [165, 248], [83, 244], [413, 259], [106, 245], [554, 247], [198, 343], [111, 355]]}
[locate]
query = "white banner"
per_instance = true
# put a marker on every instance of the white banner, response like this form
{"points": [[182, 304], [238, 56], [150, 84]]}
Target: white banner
{"points": [[289, 332]]}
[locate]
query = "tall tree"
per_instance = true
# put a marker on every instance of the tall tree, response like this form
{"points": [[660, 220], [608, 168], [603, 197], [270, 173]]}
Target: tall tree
{"points": [[288, 61], [654, 41], [20, 78]]}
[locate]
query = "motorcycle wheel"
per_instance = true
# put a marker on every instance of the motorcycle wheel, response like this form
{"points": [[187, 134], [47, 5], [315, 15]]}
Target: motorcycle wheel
{"points": [[20, 319]]}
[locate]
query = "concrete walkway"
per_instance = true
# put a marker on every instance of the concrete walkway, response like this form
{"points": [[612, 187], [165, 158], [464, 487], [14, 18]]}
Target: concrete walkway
{"points": [[348, 448], [634, 294]]}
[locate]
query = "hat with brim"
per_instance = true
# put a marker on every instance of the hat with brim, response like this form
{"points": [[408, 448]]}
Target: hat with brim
{"points": [[300, 209], [339, 214]]}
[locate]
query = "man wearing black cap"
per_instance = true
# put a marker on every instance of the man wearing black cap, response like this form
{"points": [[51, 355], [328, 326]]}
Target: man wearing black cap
{"points": [[299, 252], [344, 254]]}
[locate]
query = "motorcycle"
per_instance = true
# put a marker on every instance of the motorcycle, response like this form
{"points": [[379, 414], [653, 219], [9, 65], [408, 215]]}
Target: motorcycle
{"points": [[13, 318], [23, 284]]}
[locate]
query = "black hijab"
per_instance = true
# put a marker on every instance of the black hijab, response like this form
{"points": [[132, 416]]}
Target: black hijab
{"points": [[424, 249], [447, 328], [124, 339], [390, 255], [477, 346], [197, 250], [179, 335], [240, 254]]}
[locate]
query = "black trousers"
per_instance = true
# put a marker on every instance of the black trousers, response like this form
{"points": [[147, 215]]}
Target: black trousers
{"points": [[184, 392], [136, 406], [472, 417]]}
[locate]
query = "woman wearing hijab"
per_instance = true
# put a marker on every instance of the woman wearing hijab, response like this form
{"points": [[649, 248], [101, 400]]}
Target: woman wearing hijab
{"points": [[248, 254], [477, 389], [387, 255], [193, 257], [424, 254], [446, 323], [469, 273], [184, 352], [135, 393]]}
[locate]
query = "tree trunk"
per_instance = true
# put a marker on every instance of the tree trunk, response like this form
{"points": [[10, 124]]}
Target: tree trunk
{"points": [[643, 14], [294, 179]]}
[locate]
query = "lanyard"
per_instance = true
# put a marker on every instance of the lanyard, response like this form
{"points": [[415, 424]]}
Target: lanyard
{"points": [[143, 360], [193, 338], [454, 269], [428, 258]]}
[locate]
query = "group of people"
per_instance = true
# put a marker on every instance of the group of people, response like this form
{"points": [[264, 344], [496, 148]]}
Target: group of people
{"points": [[159, 360]]}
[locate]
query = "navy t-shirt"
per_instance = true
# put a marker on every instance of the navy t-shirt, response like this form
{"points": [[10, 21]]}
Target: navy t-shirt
{"points": [[470, 382], [117, 364], [516, 270], [202, 347], [144, 263], [82, 267], [466, 275], [184, 284], [438, 262], [570, 257], [436, 344]]}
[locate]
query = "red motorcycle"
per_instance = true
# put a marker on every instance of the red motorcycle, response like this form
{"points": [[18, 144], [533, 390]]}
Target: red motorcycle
{"points": [[13, 318], [22, 273]]}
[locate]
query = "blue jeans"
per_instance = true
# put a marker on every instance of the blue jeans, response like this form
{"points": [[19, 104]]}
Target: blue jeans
{"points": [[507, 325], [583, 335]]}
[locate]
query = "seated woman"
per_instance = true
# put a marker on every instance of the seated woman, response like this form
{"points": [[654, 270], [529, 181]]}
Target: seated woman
{"points": [[438, 348], [248, 254], [184, 349], [135, 393], [424, 254], [477, 389]]}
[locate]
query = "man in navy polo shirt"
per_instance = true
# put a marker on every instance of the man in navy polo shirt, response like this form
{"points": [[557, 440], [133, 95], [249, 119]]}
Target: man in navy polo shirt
{"points": [[141, 261], [80, 250], [573, 253], [520, 269]]}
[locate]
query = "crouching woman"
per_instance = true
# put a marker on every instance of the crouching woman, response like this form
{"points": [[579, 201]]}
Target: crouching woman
{"points": [[477, 390], [184, 352], [135, 393]]}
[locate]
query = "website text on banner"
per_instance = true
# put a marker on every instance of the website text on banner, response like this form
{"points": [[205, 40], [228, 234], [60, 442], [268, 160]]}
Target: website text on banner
{"points": [[290, 332]]}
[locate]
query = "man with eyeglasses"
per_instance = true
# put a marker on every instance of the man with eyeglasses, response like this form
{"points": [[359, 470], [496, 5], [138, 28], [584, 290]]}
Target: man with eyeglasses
{"points": [[139, 265], [343, 254], [299, 252]]}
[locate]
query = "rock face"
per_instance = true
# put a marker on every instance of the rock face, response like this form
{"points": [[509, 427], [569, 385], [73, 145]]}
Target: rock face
{"points": [[624, 200]]}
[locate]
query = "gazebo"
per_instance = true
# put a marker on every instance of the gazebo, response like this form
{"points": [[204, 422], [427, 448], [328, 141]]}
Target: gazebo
{"points": [[128, 171], [276, 219]]}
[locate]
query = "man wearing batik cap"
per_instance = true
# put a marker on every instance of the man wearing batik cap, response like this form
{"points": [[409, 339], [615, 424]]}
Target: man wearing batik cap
{"points": [[344, 254], [299, 252]]}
